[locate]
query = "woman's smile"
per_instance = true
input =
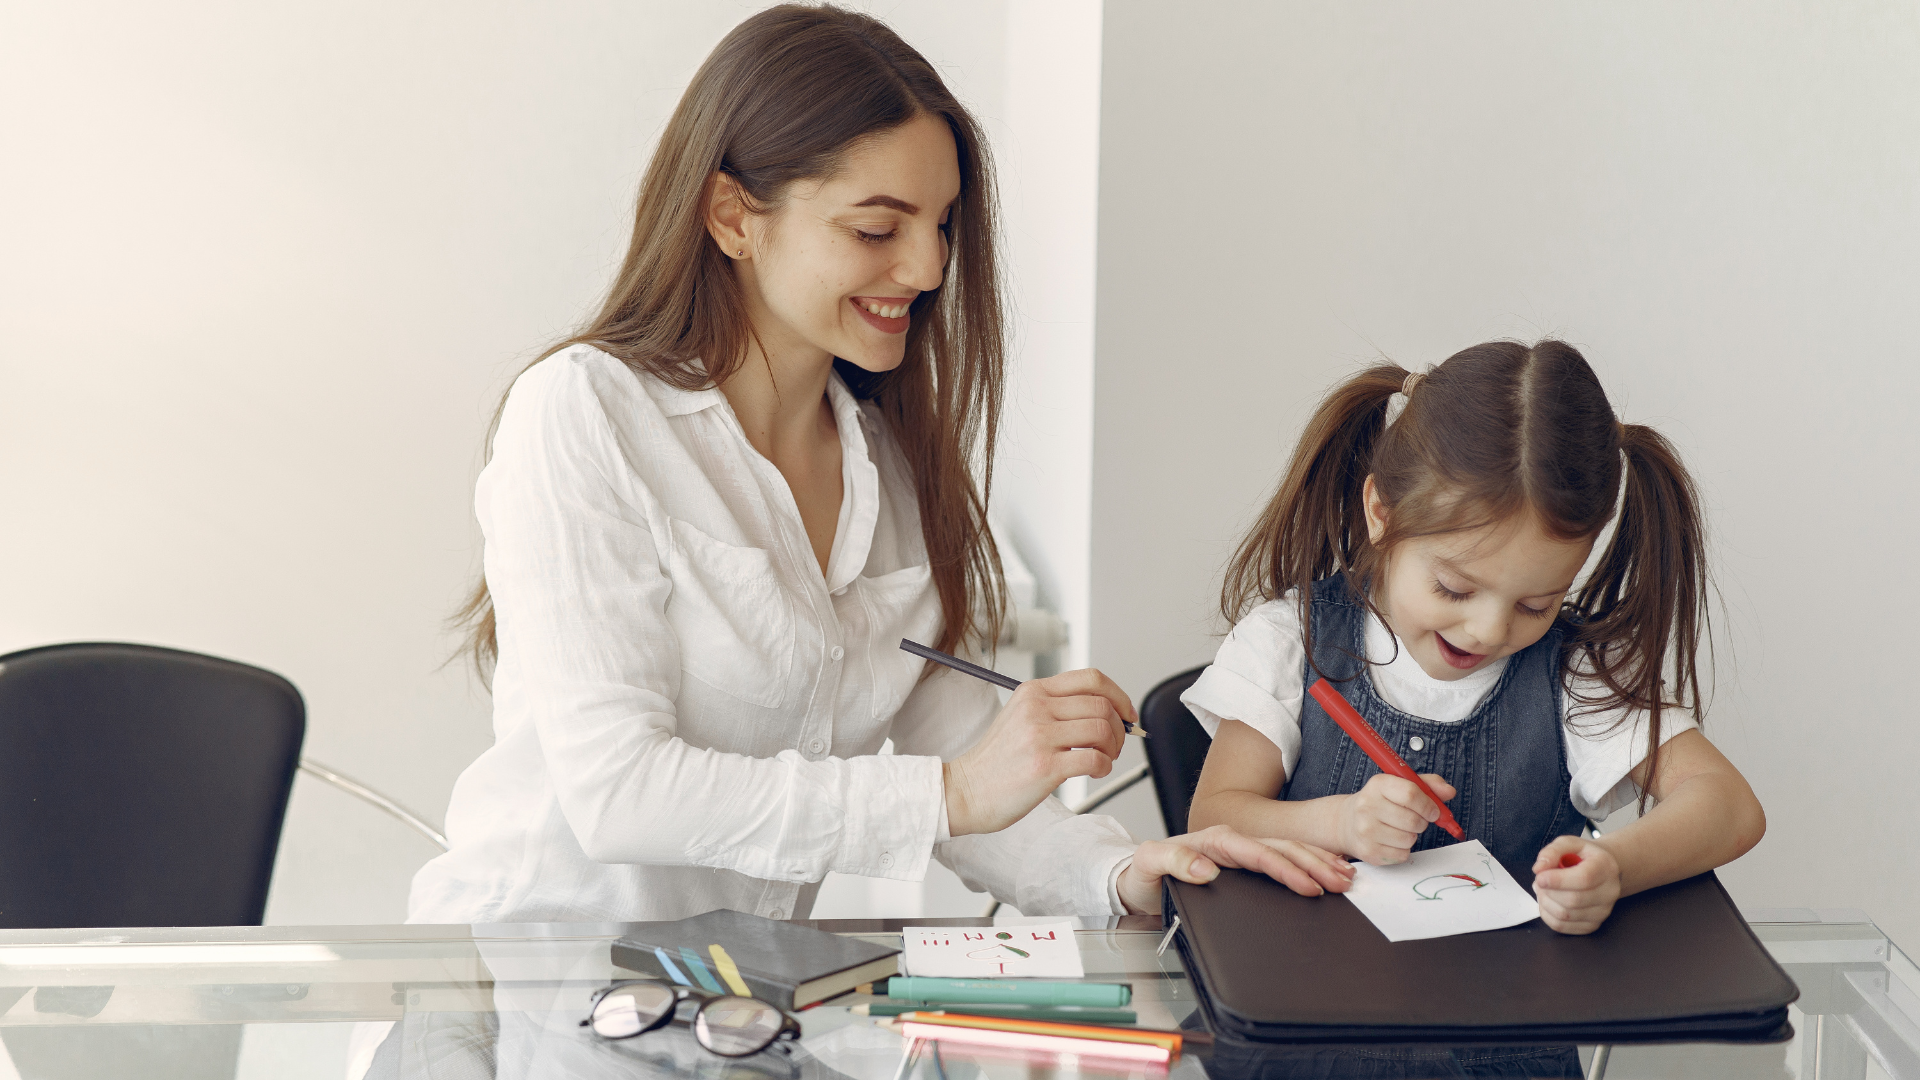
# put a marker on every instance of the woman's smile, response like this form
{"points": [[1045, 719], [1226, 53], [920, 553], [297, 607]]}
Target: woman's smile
{"points": [[887, 314]]}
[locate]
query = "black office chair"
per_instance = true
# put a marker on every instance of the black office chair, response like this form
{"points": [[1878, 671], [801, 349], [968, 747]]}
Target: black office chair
{"points": [[141, 786], [1177, 748]]}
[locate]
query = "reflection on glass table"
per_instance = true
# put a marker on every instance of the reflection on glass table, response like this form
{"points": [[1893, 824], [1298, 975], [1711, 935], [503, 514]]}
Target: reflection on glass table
{"points": [[507, 1001]]}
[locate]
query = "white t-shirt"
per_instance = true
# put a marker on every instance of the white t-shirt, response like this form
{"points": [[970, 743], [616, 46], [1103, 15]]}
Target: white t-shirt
{"points": [[1256, 678]]}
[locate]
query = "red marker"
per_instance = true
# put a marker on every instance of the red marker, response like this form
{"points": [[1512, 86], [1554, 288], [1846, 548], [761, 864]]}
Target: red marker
{"points": [[1375, 747]]}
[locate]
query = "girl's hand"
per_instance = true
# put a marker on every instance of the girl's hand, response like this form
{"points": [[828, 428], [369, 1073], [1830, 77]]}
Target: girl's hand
{"points": [[1062, 726], [1379, 823], [1576, 899], [1198, 857]]}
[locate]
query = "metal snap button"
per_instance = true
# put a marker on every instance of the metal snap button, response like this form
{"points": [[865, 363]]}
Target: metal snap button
{"points": [[1417, 743]]}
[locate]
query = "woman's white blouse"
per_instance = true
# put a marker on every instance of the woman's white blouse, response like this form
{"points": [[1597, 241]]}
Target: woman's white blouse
{"points": [[688, 715]]}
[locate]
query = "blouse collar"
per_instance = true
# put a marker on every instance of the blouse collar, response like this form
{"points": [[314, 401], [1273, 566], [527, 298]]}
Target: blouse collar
{"points": [[860, 479]]}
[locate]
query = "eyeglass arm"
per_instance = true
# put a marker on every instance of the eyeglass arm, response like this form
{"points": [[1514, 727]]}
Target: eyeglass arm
{"points": [[366, 794]]}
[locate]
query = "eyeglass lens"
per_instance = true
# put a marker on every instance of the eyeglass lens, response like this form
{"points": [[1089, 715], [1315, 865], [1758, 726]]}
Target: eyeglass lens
{"points": [[630, 1010], [736, 1026]]}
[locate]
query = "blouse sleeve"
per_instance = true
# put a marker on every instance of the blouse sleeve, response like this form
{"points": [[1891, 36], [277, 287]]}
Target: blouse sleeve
{"points": [[1050, 862], [1255, 678], [1602, 748], [580, 598]]}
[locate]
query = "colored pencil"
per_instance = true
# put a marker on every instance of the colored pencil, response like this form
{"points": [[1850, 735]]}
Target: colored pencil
{"points": [[1011, 1012], [1127, 1043], [1168, 1039]]}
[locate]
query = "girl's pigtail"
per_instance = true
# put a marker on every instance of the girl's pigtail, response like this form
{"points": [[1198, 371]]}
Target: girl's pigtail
{"points": [[1645, 605], [1315, 524]]}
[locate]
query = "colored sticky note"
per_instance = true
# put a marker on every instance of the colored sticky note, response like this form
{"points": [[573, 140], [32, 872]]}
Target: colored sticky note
{"points": [[699, 970], [729, 971]]}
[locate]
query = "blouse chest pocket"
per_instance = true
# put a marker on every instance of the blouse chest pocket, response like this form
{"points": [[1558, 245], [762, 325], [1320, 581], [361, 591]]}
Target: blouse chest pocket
{"points": [[733, 617], [902, 604]]}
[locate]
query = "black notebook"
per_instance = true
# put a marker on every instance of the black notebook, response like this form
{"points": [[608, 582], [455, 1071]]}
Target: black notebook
{"points": [[783, 964], [1676, 963]]}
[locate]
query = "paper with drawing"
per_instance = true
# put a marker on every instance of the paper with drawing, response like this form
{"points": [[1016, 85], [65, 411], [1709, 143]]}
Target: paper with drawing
{"points": [[1034, 950], [1457, 889]]}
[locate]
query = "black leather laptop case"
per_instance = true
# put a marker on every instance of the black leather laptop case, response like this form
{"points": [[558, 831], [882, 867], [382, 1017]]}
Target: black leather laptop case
{"points": [[1676, 963]]}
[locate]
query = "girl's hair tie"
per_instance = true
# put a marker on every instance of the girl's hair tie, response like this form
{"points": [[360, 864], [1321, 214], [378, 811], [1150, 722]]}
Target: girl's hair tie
{"points": [[1413, 380]]}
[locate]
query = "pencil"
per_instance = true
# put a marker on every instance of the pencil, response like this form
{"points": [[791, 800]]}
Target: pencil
{"points": [[1149, 1036], [1009, 1012], [1004, 682], [1134, 1043]]}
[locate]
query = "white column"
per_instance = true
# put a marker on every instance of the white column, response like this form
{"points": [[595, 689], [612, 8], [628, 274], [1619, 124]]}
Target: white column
{"points": [[1049, 156]]}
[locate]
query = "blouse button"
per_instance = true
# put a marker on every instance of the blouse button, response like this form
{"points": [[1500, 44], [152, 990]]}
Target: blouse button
{"points": [[836, 652], [886, 859], [816, 746], [1417, 743], [776, 913]]}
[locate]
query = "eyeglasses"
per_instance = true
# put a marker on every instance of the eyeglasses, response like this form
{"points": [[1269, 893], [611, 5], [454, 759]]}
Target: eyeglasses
{"points": [[725, 1024]]}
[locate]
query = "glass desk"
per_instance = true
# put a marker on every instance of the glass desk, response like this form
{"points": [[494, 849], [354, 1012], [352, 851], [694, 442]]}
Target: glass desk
{"points": [[505, 1001]]}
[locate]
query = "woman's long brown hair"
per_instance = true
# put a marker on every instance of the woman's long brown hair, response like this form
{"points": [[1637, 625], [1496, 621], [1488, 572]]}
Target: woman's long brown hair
{"points": [[783, 98], [1498, 429]]}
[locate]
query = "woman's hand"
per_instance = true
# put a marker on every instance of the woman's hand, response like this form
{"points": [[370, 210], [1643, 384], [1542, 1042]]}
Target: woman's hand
{"points": [[1066, 725], [1576, 899], [1379, 823], [1198, 857]]}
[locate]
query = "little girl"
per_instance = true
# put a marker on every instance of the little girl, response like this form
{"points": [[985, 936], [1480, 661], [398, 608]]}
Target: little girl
{"points": [[1428, 566]]}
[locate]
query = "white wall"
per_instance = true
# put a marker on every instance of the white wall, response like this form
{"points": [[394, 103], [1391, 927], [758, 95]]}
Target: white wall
{"points": [[1718, 202], [267, 271], [264, 273]]}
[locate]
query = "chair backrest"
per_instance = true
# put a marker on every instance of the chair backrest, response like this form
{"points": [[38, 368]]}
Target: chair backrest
{"points": [[141, 786], [1176, 748]]}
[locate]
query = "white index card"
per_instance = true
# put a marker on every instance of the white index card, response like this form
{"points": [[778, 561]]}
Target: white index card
{"points": [[1030, 951], [1458, 889]]}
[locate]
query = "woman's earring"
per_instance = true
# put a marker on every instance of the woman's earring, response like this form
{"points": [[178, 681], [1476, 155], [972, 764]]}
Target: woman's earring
{"points": [[742, 253]]}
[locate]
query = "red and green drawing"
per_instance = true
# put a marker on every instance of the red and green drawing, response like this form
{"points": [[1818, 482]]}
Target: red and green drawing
{"points": [[1432, 888], [992, 952]]}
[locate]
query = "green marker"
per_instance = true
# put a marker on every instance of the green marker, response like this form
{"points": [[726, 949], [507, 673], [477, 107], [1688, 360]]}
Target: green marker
{"points": [[1008, 992]]}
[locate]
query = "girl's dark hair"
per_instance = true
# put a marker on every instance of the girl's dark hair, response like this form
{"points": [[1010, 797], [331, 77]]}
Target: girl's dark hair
{"points": [[783, 98], [1497, 429]]}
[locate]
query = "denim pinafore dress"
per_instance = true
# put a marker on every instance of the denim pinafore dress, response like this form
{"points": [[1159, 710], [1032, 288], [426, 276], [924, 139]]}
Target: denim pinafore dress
{"points": [[1507, 761]]}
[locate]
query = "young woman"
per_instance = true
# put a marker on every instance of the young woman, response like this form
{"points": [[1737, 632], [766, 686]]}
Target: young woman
{"points": [[711, 516]]}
